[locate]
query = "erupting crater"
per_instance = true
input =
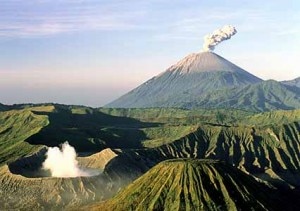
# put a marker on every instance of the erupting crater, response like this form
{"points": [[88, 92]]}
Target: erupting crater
{"points": [[27, 184], [55, 162]]}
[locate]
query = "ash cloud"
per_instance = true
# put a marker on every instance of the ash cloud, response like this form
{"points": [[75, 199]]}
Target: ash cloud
{"points": [[218, 36], [62, 162]]}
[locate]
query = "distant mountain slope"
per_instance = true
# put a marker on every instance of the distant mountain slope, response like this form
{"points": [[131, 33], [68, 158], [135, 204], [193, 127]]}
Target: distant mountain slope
{"points": [[193, 76], [206, 80], [191, 184], [263, 96], [3, 107], [294, 82]]}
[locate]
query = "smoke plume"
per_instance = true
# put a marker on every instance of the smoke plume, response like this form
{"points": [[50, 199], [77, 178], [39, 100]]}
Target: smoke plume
{"points": [[62, 162], [211, 40]]}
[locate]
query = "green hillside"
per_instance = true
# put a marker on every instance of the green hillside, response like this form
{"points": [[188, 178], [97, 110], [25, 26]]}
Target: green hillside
{"points": [[16, 126], [191, 184], [179, 116], [259, 97], [272, 118], [26, 127], [264, 145]]}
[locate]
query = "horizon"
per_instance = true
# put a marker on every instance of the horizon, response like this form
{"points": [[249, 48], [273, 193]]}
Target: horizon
{"points": [[91, 52]]}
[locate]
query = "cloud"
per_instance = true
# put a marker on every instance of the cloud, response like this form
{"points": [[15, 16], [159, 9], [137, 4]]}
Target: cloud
{"points": [[191, 24], [21, 19]]}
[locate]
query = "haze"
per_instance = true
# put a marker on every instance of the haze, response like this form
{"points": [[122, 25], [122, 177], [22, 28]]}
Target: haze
{"points": [[91, 52]]}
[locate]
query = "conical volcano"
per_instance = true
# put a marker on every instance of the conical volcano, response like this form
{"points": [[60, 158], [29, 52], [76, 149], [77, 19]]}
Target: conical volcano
{"points": [[207, 62], [182, 84], [191, 184]]}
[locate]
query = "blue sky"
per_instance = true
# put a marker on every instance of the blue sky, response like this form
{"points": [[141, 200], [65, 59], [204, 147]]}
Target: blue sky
{"points": [[90, 52]]}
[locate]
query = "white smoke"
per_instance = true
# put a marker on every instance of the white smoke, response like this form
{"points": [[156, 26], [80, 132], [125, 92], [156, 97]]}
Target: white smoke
{"points": [[211, 40], [62, 162]]}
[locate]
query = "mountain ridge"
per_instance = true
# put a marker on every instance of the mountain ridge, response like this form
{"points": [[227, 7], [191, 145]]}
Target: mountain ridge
{"points": [[264, 96], [207, 80], [263, 145], [193, 184], [193, 76], [293, 82]]}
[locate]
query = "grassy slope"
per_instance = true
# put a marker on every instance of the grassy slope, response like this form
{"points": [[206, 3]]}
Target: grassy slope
{"points": [[265, 144], [270, 154], [179, 116], [15, 127], [193, 185], [92, 129], [272, 118]]}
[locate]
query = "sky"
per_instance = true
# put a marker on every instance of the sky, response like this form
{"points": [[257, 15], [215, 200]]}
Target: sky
{"points": [[89, 52]]}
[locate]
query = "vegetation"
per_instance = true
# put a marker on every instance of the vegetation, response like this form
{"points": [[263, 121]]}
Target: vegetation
{"points": [[260, 97], [15, 127], [264, 145], [191, 184]]}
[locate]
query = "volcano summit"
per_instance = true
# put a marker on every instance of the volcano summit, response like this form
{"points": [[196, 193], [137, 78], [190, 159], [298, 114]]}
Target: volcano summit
{"points": [[207, 80], [183, 83]]}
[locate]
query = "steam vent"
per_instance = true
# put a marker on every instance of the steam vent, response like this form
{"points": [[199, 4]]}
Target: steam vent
{"points": [[60, 191]]}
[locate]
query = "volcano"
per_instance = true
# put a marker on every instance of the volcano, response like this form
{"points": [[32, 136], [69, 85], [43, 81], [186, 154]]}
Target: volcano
{"points": [[183, 83], [207, 80]]}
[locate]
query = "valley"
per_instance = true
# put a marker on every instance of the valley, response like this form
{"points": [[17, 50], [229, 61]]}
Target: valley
{"points": [[125, 143]]}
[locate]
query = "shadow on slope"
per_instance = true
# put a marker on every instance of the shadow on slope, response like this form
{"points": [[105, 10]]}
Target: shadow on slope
{"points": [[91, 131], [267, 153], [192, 184], [30, 166]]}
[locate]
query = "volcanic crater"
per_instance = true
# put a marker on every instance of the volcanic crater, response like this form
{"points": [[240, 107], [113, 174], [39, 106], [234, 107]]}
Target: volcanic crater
{"points": [[24, 181]]}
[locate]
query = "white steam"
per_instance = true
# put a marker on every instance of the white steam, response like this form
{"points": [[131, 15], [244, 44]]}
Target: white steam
{"points": [[211, 40], [62, 162]]}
